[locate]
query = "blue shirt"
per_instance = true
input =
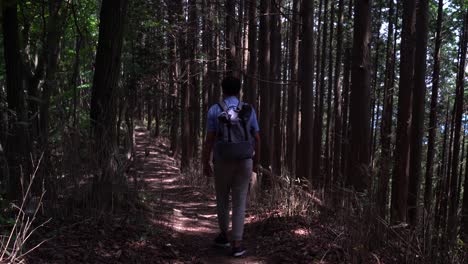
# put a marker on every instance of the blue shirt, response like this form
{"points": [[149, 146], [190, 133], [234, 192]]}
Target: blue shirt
{"points": [[215, 111]]}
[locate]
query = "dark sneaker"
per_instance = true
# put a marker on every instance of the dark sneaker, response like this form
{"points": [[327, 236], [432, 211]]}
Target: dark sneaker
{"points": [[238, 251], [222, 241]]}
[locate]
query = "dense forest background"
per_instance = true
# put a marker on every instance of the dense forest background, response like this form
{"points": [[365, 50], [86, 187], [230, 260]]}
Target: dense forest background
{"points": [[362, 104]]}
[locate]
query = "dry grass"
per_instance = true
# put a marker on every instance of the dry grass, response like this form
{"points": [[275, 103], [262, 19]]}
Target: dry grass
{"points": [[13, 244]]}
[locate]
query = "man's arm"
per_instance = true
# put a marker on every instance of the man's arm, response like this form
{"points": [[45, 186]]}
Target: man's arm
{"points": [[209, 141], [256, 159]]}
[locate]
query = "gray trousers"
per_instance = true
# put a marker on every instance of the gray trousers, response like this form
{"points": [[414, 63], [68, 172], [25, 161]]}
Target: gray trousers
{"points": [[232, 175]]}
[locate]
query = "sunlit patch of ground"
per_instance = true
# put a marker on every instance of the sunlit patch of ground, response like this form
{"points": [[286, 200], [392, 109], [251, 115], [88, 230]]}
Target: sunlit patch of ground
{"points": [[176, 224]]}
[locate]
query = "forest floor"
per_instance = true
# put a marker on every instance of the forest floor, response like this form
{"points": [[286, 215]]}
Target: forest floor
{"points": [[176, 223]]}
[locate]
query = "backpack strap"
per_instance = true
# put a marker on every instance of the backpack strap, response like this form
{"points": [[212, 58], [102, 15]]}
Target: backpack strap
{"points": [[222, 105], [240, 106]]}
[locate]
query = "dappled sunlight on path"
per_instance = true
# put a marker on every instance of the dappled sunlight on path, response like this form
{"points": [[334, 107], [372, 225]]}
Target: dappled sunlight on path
{"points": [[188, 211]]}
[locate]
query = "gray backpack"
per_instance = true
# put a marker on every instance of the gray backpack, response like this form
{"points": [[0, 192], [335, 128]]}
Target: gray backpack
{"points": [[234, 138]]}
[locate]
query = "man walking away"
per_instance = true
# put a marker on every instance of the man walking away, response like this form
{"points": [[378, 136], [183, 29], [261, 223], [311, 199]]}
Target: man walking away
{"points": [[233, 135]]}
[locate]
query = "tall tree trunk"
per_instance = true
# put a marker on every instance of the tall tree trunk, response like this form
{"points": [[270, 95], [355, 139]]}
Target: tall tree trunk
{"points": [[17, 141], [460, 91], [292, 114], [328, 154], [264, 73], [149, 108], [193, 79], [174, 40], [252, 61], [417, 123], [402, 151], [320, 94], [346, 84], [187, 93], [376, 91], [276, 147], [337, 140], [441, 197], [52, 49], [233, 65], [306, 80], [387, 113], [359, 117], [103, 110], [464, 211], [433, 114]]}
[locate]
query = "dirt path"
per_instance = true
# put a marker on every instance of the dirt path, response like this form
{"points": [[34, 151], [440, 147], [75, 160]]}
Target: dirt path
{"points": [[174, 221], [188, 211]]}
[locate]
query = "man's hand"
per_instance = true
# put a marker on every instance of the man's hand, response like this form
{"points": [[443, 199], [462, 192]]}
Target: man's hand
{"points": [[255, 164], [210, 138]]}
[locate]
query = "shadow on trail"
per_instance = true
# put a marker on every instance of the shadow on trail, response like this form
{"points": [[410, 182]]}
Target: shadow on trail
{"points": [[188, 212], [172, 223]]}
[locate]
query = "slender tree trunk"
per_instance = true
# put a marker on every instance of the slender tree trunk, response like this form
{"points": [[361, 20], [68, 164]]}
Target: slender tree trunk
{"points": [[188, 54], [460, 91], [292, 114], [402, 151], [417, 123], [433, 114], [264, 73], [103, 109], [17, 141], [320, 94], [52, 49], [375, 94], [252, 61], [193, 80], [276, 147], [387, 113], [149, 108], [464, 211], [174, 40], [441, 197], [346, 84], [306, 81], [232, 63], [328, 147], [337, 140], [359, 117], [444, 211]]}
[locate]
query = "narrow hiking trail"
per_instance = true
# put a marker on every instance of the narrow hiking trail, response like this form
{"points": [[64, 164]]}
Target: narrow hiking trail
{"points": [[174, 221], [188, 211]]}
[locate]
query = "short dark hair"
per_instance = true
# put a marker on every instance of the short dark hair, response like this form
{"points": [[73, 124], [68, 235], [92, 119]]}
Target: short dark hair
{"points": [[231, 85]]}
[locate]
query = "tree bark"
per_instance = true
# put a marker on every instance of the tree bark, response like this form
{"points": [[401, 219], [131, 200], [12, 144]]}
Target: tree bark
{"points": [[387, 113], [276, 147], [52, 49], [464, 211], [359, 117], [402, 151], [460, 91], [17, 141], [346, 84], [433, 113], [292, 114], [264, 73], [251, 88], [337, 130], [417, 123], [328, 147], [306, 80], [320, 95], [232, 28], [103, 110]]}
